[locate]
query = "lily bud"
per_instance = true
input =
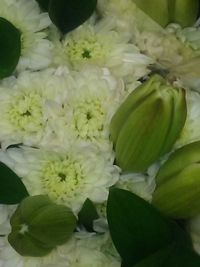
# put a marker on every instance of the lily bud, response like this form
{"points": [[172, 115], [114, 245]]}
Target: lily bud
{"points": [[39, 225], [156, 9], [178, 192], [147, 124], [184, 12]]}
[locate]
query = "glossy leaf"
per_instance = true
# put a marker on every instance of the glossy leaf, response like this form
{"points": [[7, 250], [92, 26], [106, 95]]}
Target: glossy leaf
{"points": [[156, 259], [12, 190], [137, 229], [44, 4], [87, 215], [173, 256], [67, 15], [10, 48]]}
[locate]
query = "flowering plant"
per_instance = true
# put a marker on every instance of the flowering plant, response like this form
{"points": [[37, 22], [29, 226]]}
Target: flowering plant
{"points": [[99, 133]]}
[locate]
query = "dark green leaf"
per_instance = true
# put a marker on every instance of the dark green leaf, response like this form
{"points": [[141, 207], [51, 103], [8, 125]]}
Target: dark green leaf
{"points": [[12, 190], [43, 4], [10, 48], [137, 229], [173, 256], [67, 15], [157, 259], [182, 257], [87, 215]]}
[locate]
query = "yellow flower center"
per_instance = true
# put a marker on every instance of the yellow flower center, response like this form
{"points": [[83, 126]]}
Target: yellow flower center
{"points": [[25, 112], [62, 178], [88, 49], [89, 119]]}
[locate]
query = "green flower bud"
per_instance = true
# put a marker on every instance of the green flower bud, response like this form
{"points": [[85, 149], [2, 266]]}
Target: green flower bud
{"points": [[184, 12], [178, 192], [39, 225], [156, 9], [147, 124]]}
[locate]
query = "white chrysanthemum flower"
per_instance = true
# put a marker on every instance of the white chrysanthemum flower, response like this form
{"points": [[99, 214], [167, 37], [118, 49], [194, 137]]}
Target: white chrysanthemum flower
{"points": [[164, 47], [128, 16], [25, 102], [9, 257], [137, 183], [95, 250], [187, 72], [191, 130], [189, 35], [28, 19], [99, 43], [115, 6], [68, 177], [5, 212], [192, 35], [85, 115], [3, 215], [122, 11], [100, 225], [87, 252]]}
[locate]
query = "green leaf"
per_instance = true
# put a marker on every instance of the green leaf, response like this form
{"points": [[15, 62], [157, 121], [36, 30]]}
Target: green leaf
{"points": [[183, 257], [173, 256], [44, 4], [12, 190], [10, 48], [87, 215], [138, 230], [67, 15], [157, 259]]}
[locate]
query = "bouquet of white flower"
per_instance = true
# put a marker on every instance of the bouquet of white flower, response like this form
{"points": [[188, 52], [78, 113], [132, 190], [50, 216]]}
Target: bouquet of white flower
{"points": [[99, 133]]}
